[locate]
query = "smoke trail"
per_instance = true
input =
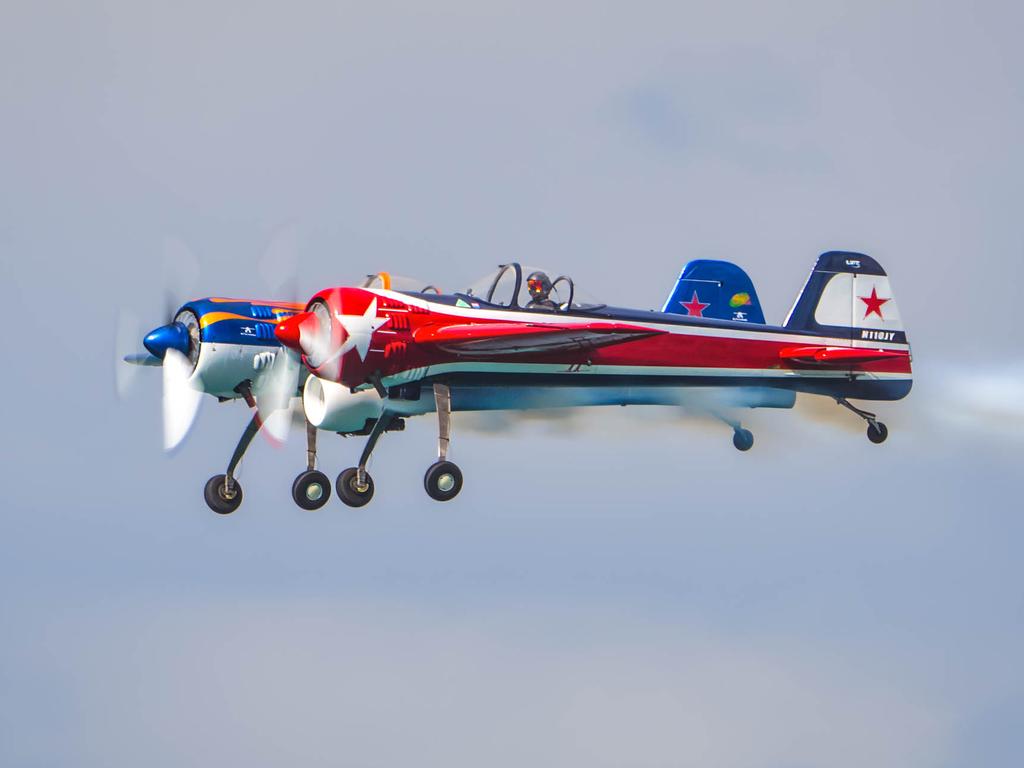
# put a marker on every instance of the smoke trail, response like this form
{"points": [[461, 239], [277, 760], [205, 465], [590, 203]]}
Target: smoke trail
{"points": [[986, 400]]}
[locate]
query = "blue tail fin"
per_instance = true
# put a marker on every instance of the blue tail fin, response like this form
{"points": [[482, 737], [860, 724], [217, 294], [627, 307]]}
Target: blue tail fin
{"points": [[718, 289]]}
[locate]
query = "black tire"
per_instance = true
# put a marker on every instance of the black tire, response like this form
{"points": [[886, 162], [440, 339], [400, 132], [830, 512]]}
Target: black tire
{"points": [[311, 489], [347, 490], [743, 439], [877, 434], [217, 498], [443, 481]]}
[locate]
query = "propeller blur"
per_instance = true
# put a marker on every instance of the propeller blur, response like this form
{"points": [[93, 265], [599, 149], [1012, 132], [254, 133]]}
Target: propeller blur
{"points": [[227, 348]]}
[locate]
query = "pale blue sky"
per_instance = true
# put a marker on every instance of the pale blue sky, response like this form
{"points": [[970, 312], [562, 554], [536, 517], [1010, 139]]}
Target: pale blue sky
{"points": [[621, 589]]}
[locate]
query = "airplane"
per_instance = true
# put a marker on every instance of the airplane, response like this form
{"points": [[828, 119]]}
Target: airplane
{"points": [[226, 348], [520, 340]]}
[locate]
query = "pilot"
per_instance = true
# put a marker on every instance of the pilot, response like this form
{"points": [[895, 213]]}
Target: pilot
{"points": [[539, 286]]}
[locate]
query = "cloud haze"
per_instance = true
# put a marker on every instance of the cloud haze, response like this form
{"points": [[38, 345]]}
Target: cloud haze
{"points": [[340, 684], [627, 589]]}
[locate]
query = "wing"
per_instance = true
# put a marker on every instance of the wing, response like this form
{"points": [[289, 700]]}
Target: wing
{"points": [[836, 355], [487, 339]]}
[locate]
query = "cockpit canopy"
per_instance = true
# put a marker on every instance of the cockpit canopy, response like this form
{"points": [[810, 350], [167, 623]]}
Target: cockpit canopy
{"points": [[523, 287], [389, 282]]}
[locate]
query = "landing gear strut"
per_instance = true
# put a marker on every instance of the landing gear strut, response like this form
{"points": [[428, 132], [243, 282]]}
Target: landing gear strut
{"points": [[354, 485], [877, 431], [443, 479], [223, 493], [311, 488]]}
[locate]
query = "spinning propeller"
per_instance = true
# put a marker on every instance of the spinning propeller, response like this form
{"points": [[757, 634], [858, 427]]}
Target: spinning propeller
{"points": [[310, 334], [175, 346], [180, 401], [276, 390]]}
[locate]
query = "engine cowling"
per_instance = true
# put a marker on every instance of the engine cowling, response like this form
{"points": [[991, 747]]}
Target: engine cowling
{"points": [[335, 408]]}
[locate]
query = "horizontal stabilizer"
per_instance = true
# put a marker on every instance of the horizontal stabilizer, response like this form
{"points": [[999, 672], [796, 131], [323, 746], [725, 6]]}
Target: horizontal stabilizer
{"points": [[836, 355], [520, 338]]}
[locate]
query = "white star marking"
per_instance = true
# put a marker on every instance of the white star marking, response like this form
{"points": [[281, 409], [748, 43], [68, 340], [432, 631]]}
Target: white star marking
{"points": [[359, 330]]}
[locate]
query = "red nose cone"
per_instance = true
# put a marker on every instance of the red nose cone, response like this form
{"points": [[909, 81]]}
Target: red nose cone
{"points": [[288, 330]]}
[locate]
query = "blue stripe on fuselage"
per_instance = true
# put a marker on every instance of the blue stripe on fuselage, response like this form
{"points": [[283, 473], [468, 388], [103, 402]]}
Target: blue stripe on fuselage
{"points": [[837, 386], [225, 321]]}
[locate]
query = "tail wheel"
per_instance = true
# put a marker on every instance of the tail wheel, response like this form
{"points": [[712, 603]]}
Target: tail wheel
{"points": [[877, 432], [219, 498], [350, 490], [311, 489], [743, 439], [443, 481]]}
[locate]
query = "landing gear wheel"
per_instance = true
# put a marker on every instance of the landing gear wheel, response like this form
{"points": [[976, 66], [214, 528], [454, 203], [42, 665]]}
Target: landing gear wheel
{"points": [[217, 497], [743, 439], [311, 489], [443, 481], [877, 432], [349, 490]]}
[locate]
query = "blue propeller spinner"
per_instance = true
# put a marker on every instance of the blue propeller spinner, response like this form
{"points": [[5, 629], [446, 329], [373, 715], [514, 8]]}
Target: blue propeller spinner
{"points": [[171, 336]]}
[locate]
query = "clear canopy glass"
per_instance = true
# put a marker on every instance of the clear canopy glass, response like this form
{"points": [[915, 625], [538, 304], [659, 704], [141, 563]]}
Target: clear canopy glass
{"points": [[527, 287], [400, 283]]}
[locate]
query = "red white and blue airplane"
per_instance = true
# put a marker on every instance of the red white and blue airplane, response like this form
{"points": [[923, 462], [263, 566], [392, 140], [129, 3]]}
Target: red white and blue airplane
{"points": [[522, 340]]}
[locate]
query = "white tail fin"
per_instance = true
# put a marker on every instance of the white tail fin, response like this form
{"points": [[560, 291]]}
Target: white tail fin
{"points": [[848, 296]]}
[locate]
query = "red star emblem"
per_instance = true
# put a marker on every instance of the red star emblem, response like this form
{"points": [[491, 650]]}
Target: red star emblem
{"points": [[874, 304], [694, 307]]}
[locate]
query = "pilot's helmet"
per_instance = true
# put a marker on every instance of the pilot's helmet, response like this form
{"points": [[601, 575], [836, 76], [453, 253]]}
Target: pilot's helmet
{"points": [[539, 285]]}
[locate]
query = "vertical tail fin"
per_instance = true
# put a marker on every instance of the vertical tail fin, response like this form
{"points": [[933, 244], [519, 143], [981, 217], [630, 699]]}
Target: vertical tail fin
{"points": [[848, 296], [718, 289]]}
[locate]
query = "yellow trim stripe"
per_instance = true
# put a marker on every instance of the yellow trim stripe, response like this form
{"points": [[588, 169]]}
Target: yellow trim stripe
{"points": [[283, 306], [215, 317]]}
